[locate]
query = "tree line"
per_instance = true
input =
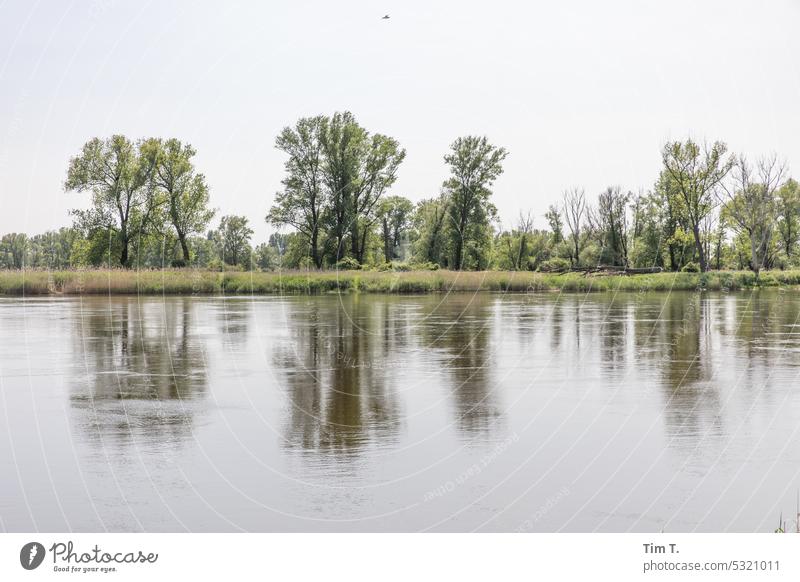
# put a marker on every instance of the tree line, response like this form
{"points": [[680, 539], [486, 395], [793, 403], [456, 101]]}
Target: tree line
{"points": [[150, 207]]}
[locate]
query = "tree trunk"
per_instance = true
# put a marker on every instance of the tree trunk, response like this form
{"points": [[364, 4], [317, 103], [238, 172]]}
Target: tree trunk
{"points": [[699, 246], [577, 252], [363, 246], [315, 256], [184, 248], [354, 239], [459, 250], [387, 252], [459, 258], [123, 259], [522, 249]]}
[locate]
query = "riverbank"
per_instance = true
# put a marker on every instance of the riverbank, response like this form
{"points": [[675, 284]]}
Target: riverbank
{"points": [[191, 281]]}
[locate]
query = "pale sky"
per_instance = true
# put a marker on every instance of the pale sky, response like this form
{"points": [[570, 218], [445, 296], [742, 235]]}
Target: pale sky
{"points": [[580, 92]]}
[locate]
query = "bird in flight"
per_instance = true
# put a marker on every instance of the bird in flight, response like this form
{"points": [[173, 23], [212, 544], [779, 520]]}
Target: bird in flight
{"points": [[385, 17]]}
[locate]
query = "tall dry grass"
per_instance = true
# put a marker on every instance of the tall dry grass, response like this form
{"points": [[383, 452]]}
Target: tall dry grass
{"points": [[191, 281]]}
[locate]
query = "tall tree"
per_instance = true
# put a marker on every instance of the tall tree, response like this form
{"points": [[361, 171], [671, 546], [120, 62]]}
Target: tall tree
{"points": [[647, 230], [612, 210], [696, 172], [14, 250], [394, 214], [553, 217], [380, 162], [524, 229], [429, 224], [343, 141], [186, 192], [358, 170], [574, 213], [751, 205], [302, 201], [788, 210], [474, 166], [120, 179], [234, 239]]}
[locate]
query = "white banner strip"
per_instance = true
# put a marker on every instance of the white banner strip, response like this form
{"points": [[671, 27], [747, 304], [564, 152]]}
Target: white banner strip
{"points": [[401, 557]]}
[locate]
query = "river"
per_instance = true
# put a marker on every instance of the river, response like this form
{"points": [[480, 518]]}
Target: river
{"points": [[474, 412]]}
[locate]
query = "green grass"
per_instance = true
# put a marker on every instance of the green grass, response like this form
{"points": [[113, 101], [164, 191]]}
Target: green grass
{"points": [[191, 281]]}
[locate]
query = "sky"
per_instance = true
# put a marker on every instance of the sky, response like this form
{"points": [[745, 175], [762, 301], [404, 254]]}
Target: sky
{"points": [[581, 93]]}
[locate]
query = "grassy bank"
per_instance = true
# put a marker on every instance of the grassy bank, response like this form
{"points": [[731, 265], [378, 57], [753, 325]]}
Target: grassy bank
{"points": [[189, 281]]}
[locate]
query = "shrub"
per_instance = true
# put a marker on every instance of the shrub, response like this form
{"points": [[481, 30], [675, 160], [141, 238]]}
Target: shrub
{"points": [[215, 264], [427, 266], [348, 264], [691, 267], [554, 265], [306, 263]]}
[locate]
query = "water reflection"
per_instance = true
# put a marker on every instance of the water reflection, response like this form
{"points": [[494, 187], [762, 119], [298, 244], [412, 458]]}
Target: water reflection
{"points": [[142, 365], [467, 342], [233, 317], [335, 369], [294, 412], [690, 396]]}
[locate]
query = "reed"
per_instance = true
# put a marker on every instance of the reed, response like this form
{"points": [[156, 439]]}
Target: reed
{"points": [[191, 281]]}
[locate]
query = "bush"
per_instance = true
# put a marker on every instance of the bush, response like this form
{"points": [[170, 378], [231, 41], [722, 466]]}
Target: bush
{"points": [[691, 267], [215, 264], [178, 263], [427, 266], [554, 265], [348, 264], [306, 264]]}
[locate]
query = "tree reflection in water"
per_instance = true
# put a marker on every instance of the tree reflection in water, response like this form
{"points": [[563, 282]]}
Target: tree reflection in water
{"points": [[143, 367]]}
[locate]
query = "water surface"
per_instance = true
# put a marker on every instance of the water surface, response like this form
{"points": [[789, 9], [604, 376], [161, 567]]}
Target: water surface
{"points": [[489, 412]]}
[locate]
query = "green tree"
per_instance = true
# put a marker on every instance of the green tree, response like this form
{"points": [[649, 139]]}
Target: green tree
{"points": [[358, 169], [266, 258], [234, 239], [696, 172], [647, 229], [394, 215], [553, 217], [14, 250], [53, 248], [302, 201], [788, 211], [751, 206], [120, 179], [186, 192], [612, 211], [429, 224], [474, 166]]}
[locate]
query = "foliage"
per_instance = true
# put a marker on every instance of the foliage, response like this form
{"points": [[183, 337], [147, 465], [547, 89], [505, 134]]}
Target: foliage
{"points": [[692, 174], [474, 166], [149, 206], [233, 240], [348, 264], [556, 265]]}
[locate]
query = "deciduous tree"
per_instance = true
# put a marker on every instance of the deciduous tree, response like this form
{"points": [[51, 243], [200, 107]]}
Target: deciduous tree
{"points": [[474, 166], [696, 172]]}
